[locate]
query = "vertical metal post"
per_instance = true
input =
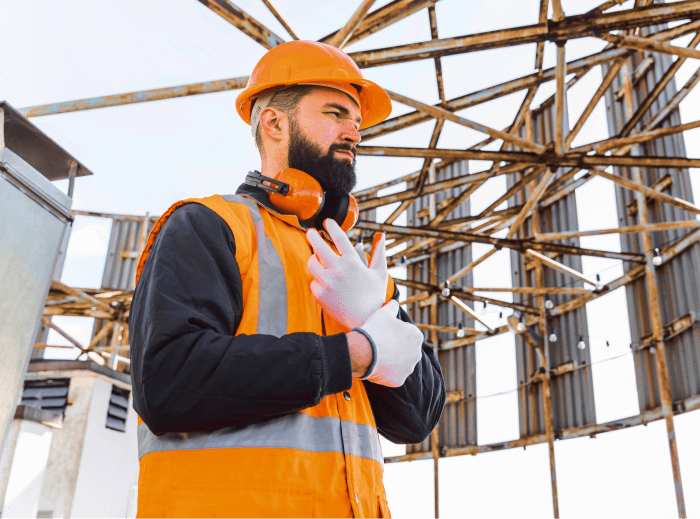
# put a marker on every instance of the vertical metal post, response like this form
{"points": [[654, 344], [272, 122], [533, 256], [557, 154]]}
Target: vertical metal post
{"points": [[438, 66], [431, 197], [2, 129], [557, 11], [655, 311], [559, 100], [435, 437], [543, 353], [71, 177], [560, 106], [549, 428]]}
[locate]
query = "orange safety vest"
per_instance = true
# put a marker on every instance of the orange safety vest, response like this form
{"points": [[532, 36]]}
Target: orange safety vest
{"points": [[322, 461]]}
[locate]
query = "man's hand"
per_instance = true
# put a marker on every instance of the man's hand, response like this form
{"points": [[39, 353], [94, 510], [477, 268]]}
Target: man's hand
{"points": [[398, 345], [343, 286]]}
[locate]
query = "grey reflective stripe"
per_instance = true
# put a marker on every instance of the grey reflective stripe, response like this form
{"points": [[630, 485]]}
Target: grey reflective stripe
{"points": [[362, 256], [272, 291], [293, 431], [361, 440]]}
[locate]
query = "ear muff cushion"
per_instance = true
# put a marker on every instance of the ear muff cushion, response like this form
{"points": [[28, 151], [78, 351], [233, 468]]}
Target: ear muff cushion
{"points": [[335, 207]]}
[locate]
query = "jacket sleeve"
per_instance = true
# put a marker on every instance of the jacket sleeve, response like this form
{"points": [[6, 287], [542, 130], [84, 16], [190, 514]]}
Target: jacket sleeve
{"points": [[189, 372], [409, 413]]}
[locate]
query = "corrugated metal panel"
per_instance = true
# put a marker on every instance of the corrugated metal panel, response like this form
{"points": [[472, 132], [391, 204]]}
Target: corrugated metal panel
{"points": [[679, 279], [125, 243], [122, 255], [457, 427], [573, 402]]}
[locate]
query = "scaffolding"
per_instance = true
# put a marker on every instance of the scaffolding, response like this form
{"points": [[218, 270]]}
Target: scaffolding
{"points": [[659, 229]]}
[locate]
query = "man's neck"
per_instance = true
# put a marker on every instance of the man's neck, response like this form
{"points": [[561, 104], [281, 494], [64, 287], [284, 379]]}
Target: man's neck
{"points": [[270, 167]]}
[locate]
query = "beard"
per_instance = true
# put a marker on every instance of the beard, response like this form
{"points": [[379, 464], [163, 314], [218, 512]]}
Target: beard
{"points": [[336, 176]]}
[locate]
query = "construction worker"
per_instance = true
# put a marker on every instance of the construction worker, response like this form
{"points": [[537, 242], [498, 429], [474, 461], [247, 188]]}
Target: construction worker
{"points": [[267, 351]]}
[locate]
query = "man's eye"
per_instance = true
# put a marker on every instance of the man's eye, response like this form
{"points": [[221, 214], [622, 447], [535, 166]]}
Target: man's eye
{"points": [[337, 114]]}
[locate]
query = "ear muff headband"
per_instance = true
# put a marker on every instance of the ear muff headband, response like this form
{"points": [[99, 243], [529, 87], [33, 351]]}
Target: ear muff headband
{"points": [[292, 191]]}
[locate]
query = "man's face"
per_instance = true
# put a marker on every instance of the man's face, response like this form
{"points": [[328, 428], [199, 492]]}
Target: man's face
{"points": [[322, 139]]}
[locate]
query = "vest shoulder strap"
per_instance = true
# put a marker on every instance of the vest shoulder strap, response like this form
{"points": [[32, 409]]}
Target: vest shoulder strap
{"points": [[238, 218]]}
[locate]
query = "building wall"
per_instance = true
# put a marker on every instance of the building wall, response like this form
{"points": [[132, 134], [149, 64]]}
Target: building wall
{"points": [[109, 463], [31, 452], [8, 452], [66, 448]]}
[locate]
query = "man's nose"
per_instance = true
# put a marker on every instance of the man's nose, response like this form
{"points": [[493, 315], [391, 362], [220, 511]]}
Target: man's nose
{"points": [[351, 134]]}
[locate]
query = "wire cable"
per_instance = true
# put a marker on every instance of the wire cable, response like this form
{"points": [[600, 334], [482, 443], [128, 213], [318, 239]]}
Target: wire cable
{"points": [[532, 382]]}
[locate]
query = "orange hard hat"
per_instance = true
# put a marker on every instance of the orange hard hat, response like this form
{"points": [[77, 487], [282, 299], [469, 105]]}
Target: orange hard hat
{"points": [[311, 62]]}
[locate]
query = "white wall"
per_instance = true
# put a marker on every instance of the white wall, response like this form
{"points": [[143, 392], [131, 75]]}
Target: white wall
{"points": [[67, 444], [109, 464], [8, 453], [28, 469]]}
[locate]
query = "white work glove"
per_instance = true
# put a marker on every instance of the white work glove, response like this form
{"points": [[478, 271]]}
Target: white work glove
{"points": [[398, 346], [343, 286]]}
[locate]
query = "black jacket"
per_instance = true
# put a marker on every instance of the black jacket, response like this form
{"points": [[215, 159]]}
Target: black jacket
{"points": [[189, 373]]}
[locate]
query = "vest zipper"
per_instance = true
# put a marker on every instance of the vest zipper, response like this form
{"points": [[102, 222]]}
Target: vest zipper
{"points": [[323, 324]]}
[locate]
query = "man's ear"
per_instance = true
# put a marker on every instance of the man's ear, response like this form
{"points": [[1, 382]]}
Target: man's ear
{"points": [[273, 123]]}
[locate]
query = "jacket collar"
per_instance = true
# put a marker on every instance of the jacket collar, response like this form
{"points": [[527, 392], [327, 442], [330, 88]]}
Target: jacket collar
{"points": [[257, 194], [262, 198]]}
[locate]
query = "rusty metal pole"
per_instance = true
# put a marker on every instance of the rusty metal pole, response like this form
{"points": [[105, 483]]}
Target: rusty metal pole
{"points": [[431, 197], [549, 426], [435, 435], [435, 438], [546, 381], [559, 148], [560, 98], [655, 311]]}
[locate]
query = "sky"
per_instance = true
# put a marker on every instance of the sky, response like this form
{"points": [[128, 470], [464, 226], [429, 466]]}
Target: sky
{"points": [[147, 156]]}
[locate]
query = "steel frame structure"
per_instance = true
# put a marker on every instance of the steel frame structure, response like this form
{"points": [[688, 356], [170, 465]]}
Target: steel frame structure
{"points": [[540, 171]]}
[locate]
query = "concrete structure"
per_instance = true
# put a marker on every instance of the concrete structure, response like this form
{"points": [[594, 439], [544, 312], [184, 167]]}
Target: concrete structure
{"points": [[89, 469], [24, 460]]}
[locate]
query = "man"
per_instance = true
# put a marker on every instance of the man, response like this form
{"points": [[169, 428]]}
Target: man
{"points": [[265, 357]]}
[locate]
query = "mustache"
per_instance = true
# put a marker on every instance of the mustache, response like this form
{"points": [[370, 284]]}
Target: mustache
{"points": [[344, 147]]}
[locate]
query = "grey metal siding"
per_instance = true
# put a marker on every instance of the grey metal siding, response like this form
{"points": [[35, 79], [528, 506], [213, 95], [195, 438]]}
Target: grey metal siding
{"points": [[573, 402], [679, 279], [457, 427]]}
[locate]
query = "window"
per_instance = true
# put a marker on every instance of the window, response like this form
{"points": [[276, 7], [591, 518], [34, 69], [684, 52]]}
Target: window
{"points": [[117, 411], [50, 394]]}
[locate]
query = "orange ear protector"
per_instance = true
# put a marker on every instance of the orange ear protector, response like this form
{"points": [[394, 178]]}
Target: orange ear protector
{"points": [[294, 192]]}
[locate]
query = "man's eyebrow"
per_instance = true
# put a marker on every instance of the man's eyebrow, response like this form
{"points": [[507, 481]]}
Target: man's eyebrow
{"points": [[342, 109]]}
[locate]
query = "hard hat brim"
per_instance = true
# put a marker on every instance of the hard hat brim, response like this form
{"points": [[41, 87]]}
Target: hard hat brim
{"points": [[375, 102]]}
